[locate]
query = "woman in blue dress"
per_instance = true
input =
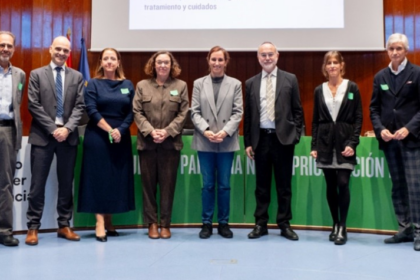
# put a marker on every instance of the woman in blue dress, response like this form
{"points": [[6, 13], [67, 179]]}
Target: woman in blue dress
{"points": [[107, 183]]}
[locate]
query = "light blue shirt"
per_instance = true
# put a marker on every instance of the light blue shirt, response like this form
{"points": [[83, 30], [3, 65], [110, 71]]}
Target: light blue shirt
{"points": [[264, 121], [6, 94]]}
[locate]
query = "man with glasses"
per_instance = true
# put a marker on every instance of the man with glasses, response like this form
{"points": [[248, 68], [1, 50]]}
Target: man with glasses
{"points": [[395, 115], [272, 128], [56, 104], [12, 81]]}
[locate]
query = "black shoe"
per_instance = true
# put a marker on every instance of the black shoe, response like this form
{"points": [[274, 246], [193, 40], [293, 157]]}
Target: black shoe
{"points": [[417, 244], [8, 240], [206, 231], [101, 238], [112, 233], [399, 238], [341, 237], [224, 230], [333, 233], [289, 234], [258, 231]]}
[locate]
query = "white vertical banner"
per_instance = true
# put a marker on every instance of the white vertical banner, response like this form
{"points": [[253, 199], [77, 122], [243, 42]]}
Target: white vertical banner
{"points": [[22, 184]]}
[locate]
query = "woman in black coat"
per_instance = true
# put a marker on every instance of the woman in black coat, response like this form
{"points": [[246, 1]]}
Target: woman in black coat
{"points": [[336, 126]]}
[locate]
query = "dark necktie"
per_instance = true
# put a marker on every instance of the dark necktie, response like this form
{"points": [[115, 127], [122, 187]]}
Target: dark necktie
{"points": [[59, 92]]}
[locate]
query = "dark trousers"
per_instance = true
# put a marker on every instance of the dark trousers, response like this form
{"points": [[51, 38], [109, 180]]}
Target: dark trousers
{"points": [[158, 167], [271, 155], [404, 167], [7, 171], [41, 159]]}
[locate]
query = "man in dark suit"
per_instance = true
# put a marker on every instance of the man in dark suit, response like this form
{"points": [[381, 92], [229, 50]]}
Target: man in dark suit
{"points": [[56, 105], [12, 81], [395, 115], [272, 128]]}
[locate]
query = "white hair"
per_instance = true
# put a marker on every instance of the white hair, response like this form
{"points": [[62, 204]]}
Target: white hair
{"points": [[397, 38]]}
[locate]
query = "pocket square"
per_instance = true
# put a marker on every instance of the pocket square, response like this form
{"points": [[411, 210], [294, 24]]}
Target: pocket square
{"points": [[409, 82]]}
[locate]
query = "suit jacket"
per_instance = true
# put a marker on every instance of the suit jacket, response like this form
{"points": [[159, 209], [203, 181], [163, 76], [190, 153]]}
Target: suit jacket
{"points": [[393, 110], [158, 107], [328, 135], [288, 110], [225, 115], [18, 84], [43, 104]]}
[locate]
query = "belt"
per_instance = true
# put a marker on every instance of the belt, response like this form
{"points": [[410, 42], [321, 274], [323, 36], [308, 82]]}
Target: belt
{"points": [[6, 122], [267, 130]]}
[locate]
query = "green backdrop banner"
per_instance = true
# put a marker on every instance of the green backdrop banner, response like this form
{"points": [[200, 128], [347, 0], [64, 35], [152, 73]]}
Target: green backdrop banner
{"points": [[370, 186]]}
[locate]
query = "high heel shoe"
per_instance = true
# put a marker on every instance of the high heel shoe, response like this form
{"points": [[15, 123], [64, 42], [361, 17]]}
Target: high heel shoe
{"points": [[101, 238], [112, 233], [333, 233], [341, 237]]}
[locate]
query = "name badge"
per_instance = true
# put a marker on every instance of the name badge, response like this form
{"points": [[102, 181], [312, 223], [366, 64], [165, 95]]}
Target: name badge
{"points": [[20, 86], [174, 92], [384, 87], [125, 91], [351, 95]]}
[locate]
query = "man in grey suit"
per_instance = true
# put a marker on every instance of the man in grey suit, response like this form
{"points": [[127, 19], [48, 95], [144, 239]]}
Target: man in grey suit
{"points": [[12, 81], [272, 128], [56, 105]]}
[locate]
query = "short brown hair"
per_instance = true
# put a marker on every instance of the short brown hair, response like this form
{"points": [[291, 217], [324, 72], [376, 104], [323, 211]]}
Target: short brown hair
{"points": [[119, 73], [150, 70], [333, 54], [216, 49]]}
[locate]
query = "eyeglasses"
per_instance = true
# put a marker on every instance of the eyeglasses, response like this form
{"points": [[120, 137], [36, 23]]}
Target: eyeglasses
{"points": [[265, 55], [3, 46], [164, 62]]}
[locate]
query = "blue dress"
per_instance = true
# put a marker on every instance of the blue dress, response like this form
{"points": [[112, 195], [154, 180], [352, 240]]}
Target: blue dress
{"points": [[107, 179]]}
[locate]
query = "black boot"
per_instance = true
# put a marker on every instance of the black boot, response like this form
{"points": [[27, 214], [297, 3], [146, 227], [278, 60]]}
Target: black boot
{"points": [[334, 232], [341, 237]]}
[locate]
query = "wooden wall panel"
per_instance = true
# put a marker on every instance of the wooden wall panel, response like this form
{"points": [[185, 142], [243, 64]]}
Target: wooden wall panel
{"points": [[36, 22]]}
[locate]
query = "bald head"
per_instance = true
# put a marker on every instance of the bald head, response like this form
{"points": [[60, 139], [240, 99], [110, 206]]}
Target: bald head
{"points": [[60, 50]]}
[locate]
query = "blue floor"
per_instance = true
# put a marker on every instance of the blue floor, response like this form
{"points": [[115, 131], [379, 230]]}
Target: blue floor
{"points": [[133, 255]]}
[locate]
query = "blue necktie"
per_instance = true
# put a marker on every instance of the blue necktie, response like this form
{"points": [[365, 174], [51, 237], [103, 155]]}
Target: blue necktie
{"points": [[59, 92]]}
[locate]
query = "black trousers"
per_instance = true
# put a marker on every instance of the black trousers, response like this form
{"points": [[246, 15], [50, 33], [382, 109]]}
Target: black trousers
{"points": [[41, 159], [272, 156]]}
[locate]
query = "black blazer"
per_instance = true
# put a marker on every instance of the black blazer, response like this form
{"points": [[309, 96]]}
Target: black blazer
{"points": [[288, 110], [393, 110], [328, 135]]}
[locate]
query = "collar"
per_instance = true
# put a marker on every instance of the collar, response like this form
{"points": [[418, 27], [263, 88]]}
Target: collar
{"points": [[165, 85], [9, 69], [53, 65], [401, 67], [273, 73]]}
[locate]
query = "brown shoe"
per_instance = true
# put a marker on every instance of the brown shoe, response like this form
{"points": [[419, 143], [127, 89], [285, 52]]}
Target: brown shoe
{"points": [[32, 237], [68, 234], [153, 231], [165, 233]]}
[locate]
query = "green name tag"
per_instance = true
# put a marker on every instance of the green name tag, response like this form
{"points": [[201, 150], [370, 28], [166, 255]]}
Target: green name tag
{"points": [[384, 87], [20, 86], [351, 95], [174, 92], [125, 91]]}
